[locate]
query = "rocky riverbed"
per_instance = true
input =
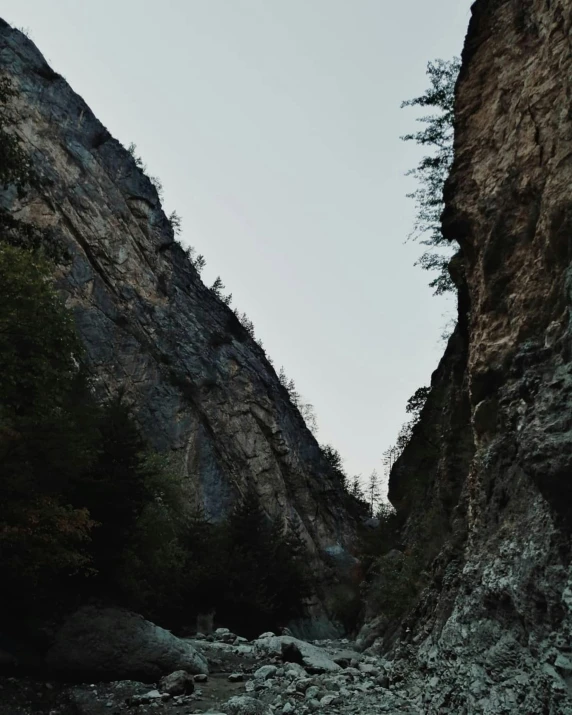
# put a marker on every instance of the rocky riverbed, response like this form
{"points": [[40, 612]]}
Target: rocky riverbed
{"points": [[272, 674]]}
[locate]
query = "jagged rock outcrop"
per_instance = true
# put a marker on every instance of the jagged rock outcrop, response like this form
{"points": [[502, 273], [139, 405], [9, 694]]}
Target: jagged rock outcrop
{"points": [[492, 632], [202, 387]]}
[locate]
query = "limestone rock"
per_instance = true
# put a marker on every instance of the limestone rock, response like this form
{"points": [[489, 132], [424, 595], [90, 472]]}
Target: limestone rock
{"points": [[370, 631], [294, 670], [265, 672], [202, 388], [110, 643], [314, 659], [178, 683], [494, 441], [329, 699]]}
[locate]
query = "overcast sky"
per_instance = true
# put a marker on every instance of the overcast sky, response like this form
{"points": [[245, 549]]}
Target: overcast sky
{"points": [[274, 127]]}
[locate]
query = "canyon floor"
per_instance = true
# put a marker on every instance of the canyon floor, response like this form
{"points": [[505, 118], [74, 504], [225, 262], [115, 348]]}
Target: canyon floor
{"points": [[270, 675]]}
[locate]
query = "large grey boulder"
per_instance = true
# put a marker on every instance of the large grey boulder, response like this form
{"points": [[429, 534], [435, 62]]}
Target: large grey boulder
{"points": [[111, 643], [314, 659]]}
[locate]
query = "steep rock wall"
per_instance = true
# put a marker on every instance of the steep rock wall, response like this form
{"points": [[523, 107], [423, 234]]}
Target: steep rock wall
{"points": [[492, 632], [202, 387]]}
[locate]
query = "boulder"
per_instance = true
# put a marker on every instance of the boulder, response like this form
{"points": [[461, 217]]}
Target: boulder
{"points": [[346, 657], [370, 632], [329, 699], [313, 692], [114, 644], [178, 683], [314, 659], [224, 635], [294, 670], [265, 672]]}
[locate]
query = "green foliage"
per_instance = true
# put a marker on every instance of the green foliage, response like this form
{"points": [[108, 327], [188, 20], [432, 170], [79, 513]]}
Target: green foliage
{"points": [[246, 323], [41, 538], [417, 401], [356, 489], [266, 577], [176, 222], [152, 567], [336, 464], [373, 492], [205, 564], [378, 541], [433, 169], [115, 488], [41, 441], [218, 288], [39, 375], [77, 478], [306, 409], [414, 407], [197, 259], [356, 499], [158, 184], [247, 568], [39, 347], [173, 567], [86, 508], [140, 164], [396, 579], [392, 576]]}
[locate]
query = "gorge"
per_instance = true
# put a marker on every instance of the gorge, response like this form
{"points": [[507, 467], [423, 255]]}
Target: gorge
{"points": [[481, 492]]}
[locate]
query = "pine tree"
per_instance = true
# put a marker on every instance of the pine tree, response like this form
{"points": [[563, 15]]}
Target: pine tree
{"points": [[356, 489], [176, 223], [373, 493], [432, 170]]}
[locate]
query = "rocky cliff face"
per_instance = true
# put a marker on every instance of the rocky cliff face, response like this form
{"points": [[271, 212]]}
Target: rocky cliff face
{"points": [[202, 387], [492, 632]]}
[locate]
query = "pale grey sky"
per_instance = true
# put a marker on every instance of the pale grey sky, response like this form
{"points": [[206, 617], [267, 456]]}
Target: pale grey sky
{"points": [[274, 127]]}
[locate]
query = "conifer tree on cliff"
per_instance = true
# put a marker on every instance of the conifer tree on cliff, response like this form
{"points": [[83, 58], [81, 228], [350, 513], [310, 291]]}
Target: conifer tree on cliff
{"points": [[432, 170]]}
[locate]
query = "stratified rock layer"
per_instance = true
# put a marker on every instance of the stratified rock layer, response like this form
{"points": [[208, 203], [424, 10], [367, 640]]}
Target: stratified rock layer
{"points": [[492, 633], [202, 387]]}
